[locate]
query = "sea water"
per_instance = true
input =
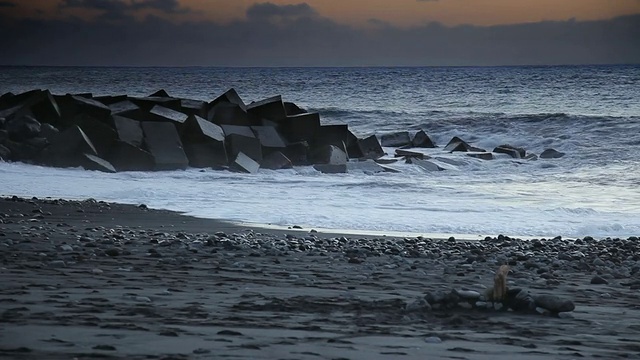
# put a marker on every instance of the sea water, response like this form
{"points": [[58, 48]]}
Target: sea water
{"points": [[591, 113]]}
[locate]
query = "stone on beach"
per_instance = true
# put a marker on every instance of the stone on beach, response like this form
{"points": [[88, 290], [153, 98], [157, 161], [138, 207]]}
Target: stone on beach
{"points": [[551, 154]]}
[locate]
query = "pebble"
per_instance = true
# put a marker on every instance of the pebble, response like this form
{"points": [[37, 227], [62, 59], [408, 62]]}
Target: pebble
{"points": [[433, 340], [598, 280], [554, 304], [66, 247], [418, 305]]}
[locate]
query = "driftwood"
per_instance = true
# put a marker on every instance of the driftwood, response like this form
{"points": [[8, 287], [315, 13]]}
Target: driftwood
{"points": [[500, 283]]}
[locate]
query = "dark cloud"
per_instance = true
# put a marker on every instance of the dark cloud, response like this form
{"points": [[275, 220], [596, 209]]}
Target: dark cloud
{"points": [[270, 11], [119, 9], [7, 4], [305, 38]]}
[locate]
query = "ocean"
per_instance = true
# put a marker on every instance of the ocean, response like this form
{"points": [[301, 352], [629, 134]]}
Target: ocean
{"points": [[591, 113]]}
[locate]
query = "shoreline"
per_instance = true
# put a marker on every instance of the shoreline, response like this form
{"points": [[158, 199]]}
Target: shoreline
{"points": [[89, 279]]}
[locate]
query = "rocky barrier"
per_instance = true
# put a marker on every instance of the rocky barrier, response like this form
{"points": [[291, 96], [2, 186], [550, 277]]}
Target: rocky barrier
{"points": [[161, 132]]}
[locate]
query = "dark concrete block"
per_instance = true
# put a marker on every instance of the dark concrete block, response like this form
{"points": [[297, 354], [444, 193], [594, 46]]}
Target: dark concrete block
{"points": [[48, 131], [229, 114], [124, 107], [514, 152], [293, 109], [301, 127], [161, 113], [457, 144], [204, 143], [250, 146], [229, 97], [425, 164], [8, 113], [298, 153], [276, 161], [269, 137], [147, 103], [238, 130], [4, 135], [370, 147], [91, 107], [101, 135], [331, 168], [410, 154], [198, 129], [483, 156], [22, 128], [161, 139], [5, 153], [340, 136], [128, 130], [421, 139], [271, 108], [44, 107], [92, 162], [367, 166], [328, 154], [160, 93], [397, 139], [21, 151], [244, 163], [206, 154], [194, 107], [111, 99], [551, 154], [127, 157], [67, 149]]}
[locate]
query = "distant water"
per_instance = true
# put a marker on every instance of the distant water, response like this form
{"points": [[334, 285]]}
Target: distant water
{"points": [[592, 113]]}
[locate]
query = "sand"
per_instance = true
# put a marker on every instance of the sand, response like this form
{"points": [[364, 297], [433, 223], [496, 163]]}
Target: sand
{"points": [[86, 279]]}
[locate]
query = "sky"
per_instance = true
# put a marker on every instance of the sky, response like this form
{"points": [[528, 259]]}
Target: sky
{"points": [[319, 32]]}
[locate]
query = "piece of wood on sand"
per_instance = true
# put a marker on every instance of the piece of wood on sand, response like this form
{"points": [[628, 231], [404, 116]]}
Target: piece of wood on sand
{"points": [[500, 283]]}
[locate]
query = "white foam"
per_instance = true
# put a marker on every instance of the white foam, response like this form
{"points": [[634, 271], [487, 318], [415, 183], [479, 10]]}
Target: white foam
{"points": [[486, 199]]}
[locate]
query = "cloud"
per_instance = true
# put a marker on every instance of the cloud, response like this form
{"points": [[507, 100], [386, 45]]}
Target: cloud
{"points": [[7, 4], [119, 9], [296, 35], [270, 11]]}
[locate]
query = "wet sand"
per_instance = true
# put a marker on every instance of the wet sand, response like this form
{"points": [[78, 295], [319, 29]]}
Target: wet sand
{"points": [[86, 279]]}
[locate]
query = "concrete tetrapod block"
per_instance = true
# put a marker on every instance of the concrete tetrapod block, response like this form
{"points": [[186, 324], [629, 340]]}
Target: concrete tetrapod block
{"points": [[329, 154], [271, 108], [238, 130], [101, 135], [91, 107], [302, 127], [67, 149], [163, 142], [162, 93], [410, 154], [21, 128], [368, 166], [161, 113], [298, 153], [231, 97], [128, 130], [244, 163], [340, 136], [421, 139], [147, 103], [425, 164], [44, 107], [293, 109], [127, 157], [204, 143], [125, 107], [92, 162], [229, 114], [269, 137], [483, 156], [370, 147], [194, 107], [513, 151], [397, 139], [111, 99], [276, 161], [250, 146]]}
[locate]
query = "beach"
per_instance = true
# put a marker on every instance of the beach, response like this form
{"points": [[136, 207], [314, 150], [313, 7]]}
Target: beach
{"points": [[90, 279]]}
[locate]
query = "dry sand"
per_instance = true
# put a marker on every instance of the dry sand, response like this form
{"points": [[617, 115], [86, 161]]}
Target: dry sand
{"points": [[94, 280]]}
